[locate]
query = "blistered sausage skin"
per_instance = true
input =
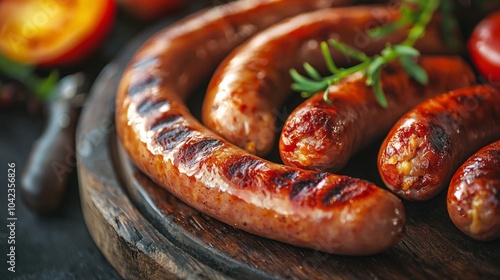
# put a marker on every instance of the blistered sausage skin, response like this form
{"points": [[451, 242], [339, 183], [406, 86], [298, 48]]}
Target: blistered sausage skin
{"points": [[244, 96], [322, 137], [474, 194], [425, 146], [322, 211]]}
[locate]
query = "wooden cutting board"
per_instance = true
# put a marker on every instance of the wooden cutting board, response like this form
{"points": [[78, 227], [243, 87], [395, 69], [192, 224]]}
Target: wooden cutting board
{"points": [[146, 233]]}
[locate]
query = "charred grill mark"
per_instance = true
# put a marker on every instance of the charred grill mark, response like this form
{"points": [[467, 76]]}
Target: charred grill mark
{"points": [[318, 120], [439, 138], [169, 139], [321, 175], [285, 178], [145, 63], [137, 87], [303, 186], [147, 107], [242, 170], [290, 175], [345, 189], [191, 154], [165, 122]]}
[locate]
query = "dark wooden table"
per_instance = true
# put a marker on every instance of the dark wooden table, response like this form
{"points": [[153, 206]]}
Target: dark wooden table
{"points": [[53, 247]]}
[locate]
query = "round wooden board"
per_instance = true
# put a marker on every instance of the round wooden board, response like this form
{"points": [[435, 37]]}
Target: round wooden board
{"points": [[146, 233]]}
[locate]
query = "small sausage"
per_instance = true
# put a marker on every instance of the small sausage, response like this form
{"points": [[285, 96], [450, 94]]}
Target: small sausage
{"points": [[247, 90], [322, 136], [474, 194], [425, 147], [327, 212]]}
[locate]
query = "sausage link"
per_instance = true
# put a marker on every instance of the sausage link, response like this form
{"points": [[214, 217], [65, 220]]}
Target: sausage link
{"points": [[474, 194], [322, 136], [251, 84], [322, 211], [425, 147]]}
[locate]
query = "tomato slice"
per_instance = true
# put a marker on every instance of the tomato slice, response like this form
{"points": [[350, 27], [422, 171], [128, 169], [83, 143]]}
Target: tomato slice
{"points": [[484, 48], [53, 32]]}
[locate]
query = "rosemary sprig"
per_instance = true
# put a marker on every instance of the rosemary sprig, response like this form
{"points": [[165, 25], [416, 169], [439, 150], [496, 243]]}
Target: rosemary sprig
{"points": [[371, 66], [409, 16]]}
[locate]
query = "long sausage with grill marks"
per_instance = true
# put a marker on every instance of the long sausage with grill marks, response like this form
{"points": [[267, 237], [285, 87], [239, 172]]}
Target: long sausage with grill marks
{"points": [[322, 211]]}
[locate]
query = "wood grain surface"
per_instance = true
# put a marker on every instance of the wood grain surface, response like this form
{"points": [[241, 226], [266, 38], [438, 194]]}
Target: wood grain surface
{"points": [[146, 233]]}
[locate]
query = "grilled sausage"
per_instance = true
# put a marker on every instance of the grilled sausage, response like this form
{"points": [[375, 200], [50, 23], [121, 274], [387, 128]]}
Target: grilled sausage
{"points": [[429, 143], [322, 136], [474, 194], [251, 84], [327, 212]]}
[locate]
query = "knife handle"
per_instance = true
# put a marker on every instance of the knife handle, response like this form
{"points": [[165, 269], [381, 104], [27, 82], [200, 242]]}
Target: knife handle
{"points": [[52, 159]]}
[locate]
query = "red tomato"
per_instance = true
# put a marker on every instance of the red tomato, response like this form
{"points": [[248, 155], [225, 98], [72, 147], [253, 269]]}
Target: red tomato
{"points": [[151, 9], [484, 48], [53, 32]]}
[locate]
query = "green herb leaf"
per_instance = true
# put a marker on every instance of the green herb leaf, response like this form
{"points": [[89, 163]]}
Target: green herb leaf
{"points": [[349, 50], [326, 93], [46, 86], [384, 30], [304, 84], [414, 70], [328, 58], [409, 12], [404, 50], [311, 71], [312, 88], [298, 78], [377, 88], [418, 29], [374, 69]]}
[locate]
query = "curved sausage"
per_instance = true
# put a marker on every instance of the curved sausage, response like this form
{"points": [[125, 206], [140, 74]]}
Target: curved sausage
{"points": [[474, 194], [247, 90], [429, 143], [322, 136], [322, 211]]}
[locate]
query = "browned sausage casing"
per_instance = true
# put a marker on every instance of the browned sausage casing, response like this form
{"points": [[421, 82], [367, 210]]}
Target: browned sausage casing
{"points": [[246, 91], [322, 136], [425, 147], [327, 212], [474, 194]]}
